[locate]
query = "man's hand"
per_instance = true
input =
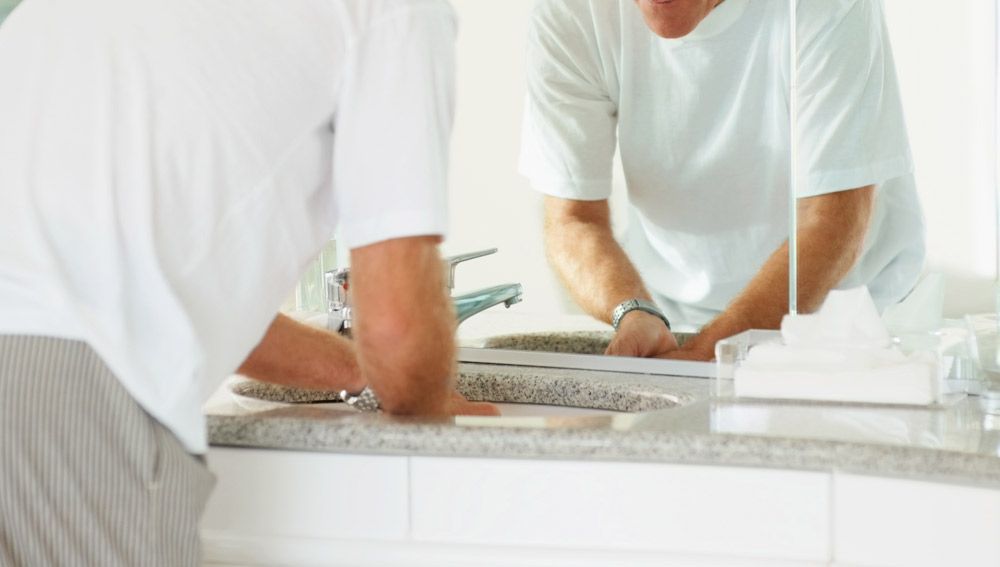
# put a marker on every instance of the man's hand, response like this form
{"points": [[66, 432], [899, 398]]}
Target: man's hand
{"points": [[684, 353], [461, 406], [642, 334], [596, 271]]}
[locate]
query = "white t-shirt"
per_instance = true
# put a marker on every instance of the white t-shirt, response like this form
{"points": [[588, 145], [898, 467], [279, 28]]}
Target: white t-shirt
{"points": [[702, 126], [167, 169]]}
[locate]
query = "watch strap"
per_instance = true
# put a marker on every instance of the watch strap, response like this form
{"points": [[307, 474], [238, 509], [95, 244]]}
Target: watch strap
{"points": [[365, 400], [636, 304]]}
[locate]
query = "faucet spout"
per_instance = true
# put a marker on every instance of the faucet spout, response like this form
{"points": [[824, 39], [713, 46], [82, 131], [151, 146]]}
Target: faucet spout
{"points": [[338, 295], [468, 304]]}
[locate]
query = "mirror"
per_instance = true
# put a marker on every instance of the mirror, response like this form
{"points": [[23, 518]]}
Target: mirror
{"points": [[949, 97], [714, 262], [947, 93]]}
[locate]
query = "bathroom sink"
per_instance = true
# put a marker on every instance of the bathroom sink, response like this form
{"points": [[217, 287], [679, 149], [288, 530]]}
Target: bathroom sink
{"points": [[570, 342], [517, 392], [563, 392]]}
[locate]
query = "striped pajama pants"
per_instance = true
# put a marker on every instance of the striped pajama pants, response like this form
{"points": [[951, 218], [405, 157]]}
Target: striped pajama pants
{"points": [[86, 476]]}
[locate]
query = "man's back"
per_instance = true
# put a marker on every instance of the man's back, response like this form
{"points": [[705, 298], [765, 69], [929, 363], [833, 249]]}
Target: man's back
{"points": [[166, 168]]}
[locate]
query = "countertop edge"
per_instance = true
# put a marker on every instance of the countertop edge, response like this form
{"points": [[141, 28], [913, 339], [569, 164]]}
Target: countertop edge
{"points": [[715, 449]]}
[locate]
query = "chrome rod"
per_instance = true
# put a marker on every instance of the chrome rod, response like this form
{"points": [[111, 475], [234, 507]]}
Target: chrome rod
{"points": [[793, 157], [996, 159]]}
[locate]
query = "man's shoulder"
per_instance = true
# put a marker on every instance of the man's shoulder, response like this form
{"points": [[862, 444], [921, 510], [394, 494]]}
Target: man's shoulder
{"points": [[825, 13], [844, 18], [812, 13], [576, 16]]}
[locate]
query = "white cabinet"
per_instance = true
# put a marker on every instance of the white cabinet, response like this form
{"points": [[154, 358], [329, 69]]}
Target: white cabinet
{"points": [[296, 509], [889, 522]]}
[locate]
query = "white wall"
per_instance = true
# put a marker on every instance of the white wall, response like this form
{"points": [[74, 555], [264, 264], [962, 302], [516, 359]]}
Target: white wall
{"points": [[945, 53], [945, 57], [491, 205]]}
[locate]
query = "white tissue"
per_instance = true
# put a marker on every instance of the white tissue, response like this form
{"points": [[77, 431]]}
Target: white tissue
{"points": [[842, 353]]}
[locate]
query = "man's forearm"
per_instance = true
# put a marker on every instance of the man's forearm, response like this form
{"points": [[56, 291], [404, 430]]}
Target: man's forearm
{"points": [[405, 324], [592, 265], [830, 239], [295, 354]]}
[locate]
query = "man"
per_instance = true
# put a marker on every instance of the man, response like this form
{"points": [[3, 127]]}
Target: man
{"points": [[167, 169], [695, 91]]}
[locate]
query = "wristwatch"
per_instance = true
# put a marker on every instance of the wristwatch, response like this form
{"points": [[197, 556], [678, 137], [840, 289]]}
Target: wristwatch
{"points": [[365, 400], [636, 305]]}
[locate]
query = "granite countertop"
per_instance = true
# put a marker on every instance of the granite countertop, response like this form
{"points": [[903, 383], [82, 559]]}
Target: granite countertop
{"points": [[671, 420]]}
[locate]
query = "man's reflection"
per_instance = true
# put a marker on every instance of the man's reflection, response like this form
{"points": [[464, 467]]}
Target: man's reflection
{"points": [[694, 95]]}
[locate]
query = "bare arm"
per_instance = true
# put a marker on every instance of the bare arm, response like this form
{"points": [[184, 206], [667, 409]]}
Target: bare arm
{"points": [[405, 337], [297, 355], [405, 328], [831, 234], [598, 274]]}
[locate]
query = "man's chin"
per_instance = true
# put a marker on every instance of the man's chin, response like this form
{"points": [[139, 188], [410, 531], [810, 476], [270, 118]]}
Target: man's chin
{"points": [[670, 30], [667, 19]]}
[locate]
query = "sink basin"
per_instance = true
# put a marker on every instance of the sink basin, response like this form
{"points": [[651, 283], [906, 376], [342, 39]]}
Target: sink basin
{"points": [[570, 342], [538, 393]]}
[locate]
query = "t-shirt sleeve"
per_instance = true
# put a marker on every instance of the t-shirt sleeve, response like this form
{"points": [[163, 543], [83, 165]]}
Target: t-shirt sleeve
{"points": [[851, 127], [392, 128], [568, 135]]}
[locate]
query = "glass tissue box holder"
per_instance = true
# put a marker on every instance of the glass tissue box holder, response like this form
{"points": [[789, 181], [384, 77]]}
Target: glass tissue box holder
{"points": [[909, 372]]}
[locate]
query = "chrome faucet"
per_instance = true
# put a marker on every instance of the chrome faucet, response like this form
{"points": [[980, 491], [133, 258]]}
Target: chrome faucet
{"points": [[469, 304], [340, 317]]}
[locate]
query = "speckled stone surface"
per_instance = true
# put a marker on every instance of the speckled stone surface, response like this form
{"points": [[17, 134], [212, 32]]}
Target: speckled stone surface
{"points": [[275, 393], [678, 423], [508, 385], [573, 342]]}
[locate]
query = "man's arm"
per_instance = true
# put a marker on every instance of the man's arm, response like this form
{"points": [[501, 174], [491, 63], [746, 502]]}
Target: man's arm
{"points": [[581, 247], [831, 234], [295, 354], [405, 328], [405, 333]]}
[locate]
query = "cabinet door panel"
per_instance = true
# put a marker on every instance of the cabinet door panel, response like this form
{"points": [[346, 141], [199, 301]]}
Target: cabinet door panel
{"points": [[321, 495], [693, 509], [887, 522]]}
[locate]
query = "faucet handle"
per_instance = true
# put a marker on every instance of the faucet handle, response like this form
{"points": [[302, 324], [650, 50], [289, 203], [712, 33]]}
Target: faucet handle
{"points": [[337, 286], [452, 262], [338, 304]]}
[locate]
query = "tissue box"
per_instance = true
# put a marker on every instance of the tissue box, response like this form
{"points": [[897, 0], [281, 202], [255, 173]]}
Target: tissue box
{"points": [[759, 365], [842, 353], [730, 353]]}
